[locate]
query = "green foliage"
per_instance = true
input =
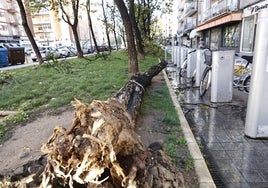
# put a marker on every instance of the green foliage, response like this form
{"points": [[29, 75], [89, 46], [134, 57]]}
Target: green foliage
{"points": [[63, 66], [181, 141], [35, 5], [189, 163], [154, 49], [6, 76], [170, 148], [175, 144]]}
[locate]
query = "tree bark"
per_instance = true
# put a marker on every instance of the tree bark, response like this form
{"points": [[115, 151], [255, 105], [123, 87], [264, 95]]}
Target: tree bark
{"points": [[28, 31], [133, 67], [106, 25], [91, 28], [63, 5], [136, 30]]}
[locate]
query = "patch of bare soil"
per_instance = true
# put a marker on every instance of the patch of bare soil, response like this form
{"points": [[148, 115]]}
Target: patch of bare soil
{"points": [[151, 130], [21, 154]]}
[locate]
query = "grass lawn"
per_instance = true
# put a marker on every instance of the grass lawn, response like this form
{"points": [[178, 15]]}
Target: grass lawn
{"points": [[56, 84], [35, 89]]}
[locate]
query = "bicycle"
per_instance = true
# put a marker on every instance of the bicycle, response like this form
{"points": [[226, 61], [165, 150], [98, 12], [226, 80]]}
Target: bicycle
{"points": [[205, 81], [183, 67], [242, 74]]}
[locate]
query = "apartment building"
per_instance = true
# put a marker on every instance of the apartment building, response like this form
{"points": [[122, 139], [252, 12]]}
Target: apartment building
{"points": [[188, 14], [47, 26], [223, 24], [10, 27]]}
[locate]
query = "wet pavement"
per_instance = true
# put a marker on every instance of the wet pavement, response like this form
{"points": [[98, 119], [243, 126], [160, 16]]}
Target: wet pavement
{"points": [[234, 160]]}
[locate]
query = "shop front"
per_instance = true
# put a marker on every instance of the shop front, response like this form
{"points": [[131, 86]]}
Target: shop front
{"points": [[249, 25], [222, 33]]}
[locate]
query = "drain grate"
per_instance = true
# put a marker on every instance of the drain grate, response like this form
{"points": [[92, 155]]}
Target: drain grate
{"points": [[213, 169], [215, 175]]}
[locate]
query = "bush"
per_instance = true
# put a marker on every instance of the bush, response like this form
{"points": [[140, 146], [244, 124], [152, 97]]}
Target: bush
{"points": [[154, 49]]}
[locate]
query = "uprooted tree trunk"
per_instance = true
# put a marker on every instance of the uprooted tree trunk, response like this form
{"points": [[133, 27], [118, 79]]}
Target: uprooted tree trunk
{"points": [[101, 148]]}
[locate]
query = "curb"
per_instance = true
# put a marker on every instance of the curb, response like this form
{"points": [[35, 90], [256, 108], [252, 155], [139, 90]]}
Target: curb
{"points": [[204, 177]]}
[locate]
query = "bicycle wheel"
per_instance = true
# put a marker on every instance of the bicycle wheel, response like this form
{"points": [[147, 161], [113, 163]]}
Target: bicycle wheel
{"points": [[194, 77], [205, 82], [246, 84], [183, 69]]}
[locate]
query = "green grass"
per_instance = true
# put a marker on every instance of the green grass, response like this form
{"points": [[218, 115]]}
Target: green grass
{"points": [[161, 100], [56, 84], [175, 143]]}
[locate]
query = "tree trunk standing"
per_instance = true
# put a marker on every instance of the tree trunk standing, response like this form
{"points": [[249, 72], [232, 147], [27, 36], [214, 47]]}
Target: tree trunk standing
{"points": [[115, 36], [90, 27], [122, 35], [136, 30], [113, 26], [75, 7], [77, 42], [68, 19], [28, 31], [132, 53], [106, 26]]}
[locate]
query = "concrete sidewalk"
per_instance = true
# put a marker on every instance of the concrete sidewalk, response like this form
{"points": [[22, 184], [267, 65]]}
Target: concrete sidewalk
{"points": [[28, 62], [233, 160]]}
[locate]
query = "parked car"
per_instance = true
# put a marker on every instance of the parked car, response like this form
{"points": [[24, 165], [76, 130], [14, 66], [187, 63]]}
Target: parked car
{"points": [[64, 51], [45, 51], [85, 50], [91, 49], [67, 51], [103, 48], [28, 51]]}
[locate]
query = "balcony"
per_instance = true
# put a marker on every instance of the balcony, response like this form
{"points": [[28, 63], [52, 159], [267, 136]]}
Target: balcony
{"points": [[219, 8], [13, 22], [11, 9], [191, 8], [180, 18], [188, 24], [188, 27]]}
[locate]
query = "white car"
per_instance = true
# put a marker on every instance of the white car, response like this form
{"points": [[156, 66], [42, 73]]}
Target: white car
{"points": [[67, 51], [45, 51]]}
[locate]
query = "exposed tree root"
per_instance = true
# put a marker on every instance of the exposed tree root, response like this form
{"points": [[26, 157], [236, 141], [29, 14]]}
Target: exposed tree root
{"points": [[101, 148]]}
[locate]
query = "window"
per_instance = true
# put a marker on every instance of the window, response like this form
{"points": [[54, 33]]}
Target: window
{"points": [[230, 36], [247, 42]]}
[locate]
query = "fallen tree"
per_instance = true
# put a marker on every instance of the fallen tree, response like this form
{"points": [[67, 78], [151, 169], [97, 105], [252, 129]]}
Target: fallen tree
{"points": [[101, 148]]}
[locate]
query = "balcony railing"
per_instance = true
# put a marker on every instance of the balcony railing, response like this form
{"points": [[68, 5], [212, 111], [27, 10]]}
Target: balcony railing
{"points": [[218, 8], [11, 10], [180, 18], [188, 24], [13, 21], [191, 8]]}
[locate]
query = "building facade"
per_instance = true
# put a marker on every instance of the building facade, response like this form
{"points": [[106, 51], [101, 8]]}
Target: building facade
{"points": [[10, 27], [47, 26], [250, 16], [222, 24]]}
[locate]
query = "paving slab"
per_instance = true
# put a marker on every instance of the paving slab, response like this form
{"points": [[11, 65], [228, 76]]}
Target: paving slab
{"points": [[233, 159]]}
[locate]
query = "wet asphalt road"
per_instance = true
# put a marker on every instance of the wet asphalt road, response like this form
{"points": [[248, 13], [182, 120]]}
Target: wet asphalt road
{"points": [[234, 160]]}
